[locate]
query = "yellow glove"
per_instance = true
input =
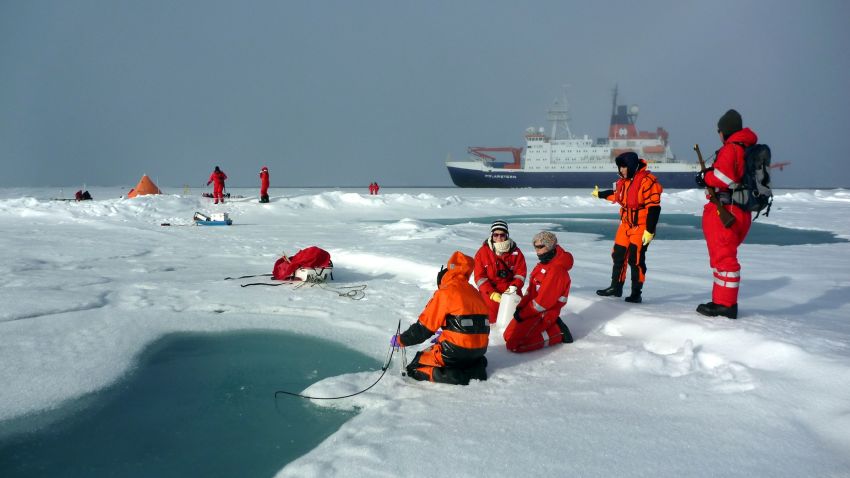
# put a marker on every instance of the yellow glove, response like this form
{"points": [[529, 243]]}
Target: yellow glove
{"points": [[647, 237], [496, 297], [595, 192]]}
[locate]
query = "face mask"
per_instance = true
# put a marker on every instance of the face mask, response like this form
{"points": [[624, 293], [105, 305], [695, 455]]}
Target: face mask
{"points": [[546, 256], [502, 247]]}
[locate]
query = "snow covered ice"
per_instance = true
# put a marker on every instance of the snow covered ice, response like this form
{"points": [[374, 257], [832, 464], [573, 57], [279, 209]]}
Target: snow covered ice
{"points": [[646, 390]]}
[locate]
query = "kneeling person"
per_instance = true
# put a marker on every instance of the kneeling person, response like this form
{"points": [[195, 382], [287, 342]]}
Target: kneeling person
{"points": [[536, 322], [457, 356], [499, 268]]}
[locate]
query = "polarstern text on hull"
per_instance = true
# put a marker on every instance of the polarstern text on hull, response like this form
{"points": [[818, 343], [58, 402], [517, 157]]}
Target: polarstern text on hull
{"points": [[562, 160]]}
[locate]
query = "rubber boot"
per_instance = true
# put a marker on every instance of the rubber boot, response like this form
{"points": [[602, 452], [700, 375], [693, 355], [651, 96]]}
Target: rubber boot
{"points": [[616, 289], [636, 290], [566, 336], [713, 310]]}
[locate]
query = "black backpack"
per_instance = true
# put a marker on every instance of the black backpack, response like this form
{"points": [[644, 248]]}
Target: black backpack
{"points": [[753, 193]]}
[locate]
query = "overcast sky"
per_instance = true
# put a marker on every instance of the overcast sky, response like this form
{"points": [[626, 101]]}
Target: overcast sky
{"points": [[341, 93]]}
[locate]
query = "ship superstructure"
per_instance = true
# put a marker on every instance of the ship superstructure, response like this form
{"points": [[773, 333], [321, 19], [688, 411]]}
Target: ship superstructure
{"points": [[561, 159]]}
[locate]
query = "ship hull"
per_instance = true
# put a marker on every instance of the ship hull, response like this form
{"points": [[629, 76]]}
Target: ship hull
{"points": [[472, 178]]}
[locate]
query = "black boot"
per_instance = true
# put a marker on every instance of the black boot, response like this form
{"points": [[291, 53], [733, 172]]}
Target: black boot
{"points": [[616, 289], [635, 297], [713, 310], [565, 331]]}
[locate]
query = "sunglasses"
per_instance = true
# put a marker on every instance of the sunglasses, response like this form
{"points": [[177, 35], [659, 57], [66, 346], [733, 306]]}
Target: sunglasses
{"points": [[499, 234], [539, 246]]}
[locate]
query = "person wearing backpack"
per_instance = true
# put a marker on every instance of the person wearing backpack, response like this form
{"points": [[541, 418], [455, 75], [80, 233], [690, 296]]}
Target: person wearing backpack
{"points": [[724, 175]]}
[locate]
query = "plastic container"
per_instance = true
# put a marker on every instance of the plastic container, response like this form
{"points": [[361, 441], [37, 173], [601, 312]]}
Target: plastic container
{"points": [[507, 306]]}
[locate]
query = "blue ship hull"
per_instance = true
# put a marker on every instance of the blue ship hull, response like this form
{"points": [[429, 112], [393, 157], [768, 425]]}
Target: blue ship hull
{"points": [[513, 178]]}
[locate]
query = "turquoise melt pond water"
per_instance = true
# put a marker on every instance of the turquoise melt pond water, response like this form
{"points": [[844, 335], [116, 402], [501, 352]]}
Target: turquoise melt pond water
{"points": [[671, 227], [195, 405]]}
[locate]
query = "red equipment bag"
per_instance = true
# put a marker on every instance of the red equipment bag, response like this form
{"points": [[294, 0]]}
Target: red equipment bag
{"points": [[308, 258]]}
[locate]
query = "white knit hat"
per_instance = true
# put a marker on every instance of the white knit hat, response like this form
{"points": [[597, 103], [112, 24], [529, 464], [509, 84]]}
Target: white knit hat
{"points": [[546, 238]]}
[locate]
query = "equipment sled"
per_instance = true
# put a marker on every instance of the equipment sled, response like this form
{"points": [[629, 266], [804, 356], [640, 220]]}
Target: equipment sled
{"points": [[314, 274], [217, 219]]}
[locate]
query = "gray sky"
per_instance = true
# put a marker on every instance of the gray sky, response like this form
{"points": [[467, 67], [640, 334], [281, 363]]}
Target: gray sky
{"points": [[340, 93]]}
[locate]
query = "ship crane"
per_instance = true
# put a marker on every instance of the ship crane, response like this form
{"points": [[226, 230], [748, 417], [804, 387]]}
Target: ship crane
{"points": [[481, 152], [780, 165]]}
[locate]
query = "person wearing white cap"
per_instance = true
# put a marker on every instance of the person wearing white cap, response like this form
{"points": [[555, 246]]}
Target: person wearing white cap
{"points": [[537, 322]]}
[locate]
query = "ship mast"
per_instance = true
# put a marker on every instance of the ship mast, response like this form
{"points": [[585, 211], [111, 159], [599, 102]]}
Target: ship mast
{"points": [[559, 117], [614, 102]]}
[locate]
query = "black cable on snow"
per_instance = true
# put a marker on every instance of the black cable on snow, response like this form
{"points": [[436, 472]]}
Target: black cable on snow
{"points": [[383, 372]]}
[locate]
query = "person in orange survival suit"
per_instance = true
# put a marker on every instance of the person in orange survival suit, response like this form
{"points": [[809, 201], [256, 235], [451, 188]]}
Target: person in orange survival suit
{"points": [[722, 242], [499, 267], [217, 177], [536, 323], [639, 195], [457, 355], [264, 184]]}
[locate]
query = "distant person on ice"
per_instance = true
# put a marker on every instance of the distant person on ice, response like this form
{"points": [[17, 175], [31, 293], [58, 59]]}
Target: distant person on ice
{"points": [[264, 184], [722, 242], [217, 178], [638, 193], [499, 267], [536, 323], [457, 355]]}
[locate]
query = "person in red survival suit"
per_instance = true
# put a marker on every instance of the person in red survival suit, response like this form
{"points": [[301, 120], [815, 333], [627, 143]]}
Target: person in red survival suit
{"points": [[639, 195], [264, 184], [217, 177], [536, 323], [499, 267], [457, 355], [724, 174]]}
